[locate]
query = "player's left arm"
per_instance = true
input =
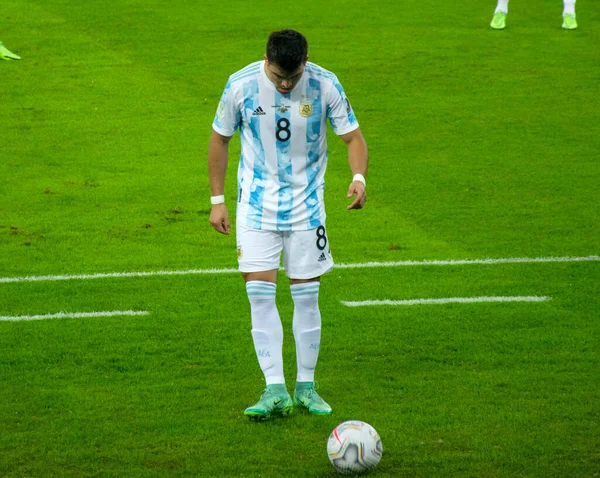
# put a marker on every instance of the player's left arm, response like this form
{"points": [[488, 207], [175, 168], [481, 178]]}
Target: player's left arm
{"points": [[358, 157]]}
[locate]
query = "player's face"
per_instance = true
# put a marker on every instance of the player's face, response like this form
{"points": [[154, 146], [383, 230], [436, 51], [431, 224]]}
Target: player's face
{"points": [[284, 81]]}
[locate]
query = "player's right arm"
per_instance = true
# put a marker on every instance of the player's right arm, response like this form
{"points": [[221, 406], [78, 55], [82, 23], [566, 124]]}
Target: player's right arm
{"points": [[218, 154], [226, 122]]}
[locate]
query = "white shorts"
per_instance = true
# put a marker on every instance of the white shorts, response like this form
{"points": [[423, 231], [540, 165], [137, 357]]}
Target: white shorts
{"points": [[306, 254]]}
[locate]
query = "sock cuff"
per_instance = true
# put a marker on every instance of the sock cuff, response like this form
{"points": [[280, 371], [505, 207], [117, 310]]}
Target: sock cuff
{"points": [[259, 288], [305, 289]]}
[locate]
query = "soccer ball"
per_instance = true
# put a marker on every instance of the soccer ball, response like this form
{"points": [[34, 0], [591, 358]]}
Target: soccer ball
{"points": [[354, 447]]}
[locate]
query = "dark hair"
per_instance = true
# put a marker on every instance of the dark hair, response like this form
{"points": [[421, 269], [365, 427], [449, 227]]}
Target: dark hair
{"points": [[287, 49]]}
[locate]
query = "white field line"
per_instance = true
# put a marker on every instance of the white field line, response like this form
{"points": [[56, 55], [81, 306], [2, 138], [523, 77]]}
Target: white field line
{"points": [[510, 260], [116, 274], [76, 315], [449, 300], [513, 260]]}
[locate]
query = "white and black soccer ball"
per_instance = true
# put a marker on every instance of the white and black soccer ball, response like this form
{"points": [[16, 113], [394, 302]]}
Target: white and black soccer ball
{"points": [[354, 447]]}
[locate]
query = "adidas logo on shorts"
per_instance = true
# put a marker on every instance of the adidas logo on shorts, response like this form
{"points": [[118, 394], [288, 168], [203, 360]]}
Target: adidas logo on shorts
{"points": [[322, 257], [258, 112]]}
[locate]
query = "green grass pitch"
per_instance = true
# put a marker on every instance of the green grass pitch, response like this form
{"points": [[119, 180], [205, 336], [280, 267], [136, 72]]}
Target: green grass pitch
{"points": [[483, 144]]}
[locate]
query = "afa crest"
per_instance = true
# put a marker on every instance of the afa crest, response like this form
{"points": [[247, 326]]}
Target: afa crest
{"points": [[306, 109]]}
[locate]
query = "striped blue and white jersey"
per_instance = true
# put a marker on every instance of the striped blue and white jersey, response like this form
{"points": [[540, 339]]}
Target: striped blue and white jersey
{"points": [[284, 144]]}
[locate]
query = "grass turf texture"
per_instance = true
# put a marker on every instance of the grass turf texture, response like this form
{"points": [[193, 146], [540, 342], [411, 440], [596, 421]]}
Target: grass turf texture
{"points": [[483, 144]]}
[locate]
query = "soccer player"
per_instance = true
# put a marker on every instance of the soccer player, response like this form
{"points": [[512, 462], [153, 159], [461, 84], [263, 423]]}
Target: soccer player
{"points": [[6, 54], [569, 20], [281, 105]]}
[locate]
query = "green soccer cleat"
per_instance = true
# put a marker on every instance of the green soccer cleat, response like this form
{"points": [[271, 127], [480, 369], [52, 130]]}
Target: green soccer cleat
{"points": [[569, 22], [498, 21], [276, 399], [6, 54], [306, 396]]}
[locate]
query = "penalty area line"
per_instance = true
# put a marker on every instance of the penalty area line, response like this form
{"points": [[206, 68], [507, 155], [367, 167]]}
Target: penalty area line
{"points": [[460, 262], [74, 315], [110, 275], [359, 265], [449, 300]]}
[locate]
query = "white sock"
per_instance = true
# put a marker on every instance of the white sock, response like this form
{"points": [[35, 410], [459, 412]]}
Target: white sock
{"points": [[569, 7], [267, 331], [307, 328], [502, 6]]}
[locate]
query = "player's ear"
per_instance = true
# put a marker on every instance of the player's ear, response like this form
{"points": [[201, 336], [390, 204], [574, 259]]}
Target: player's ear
{"points": [[266, 59], [305, 60]]}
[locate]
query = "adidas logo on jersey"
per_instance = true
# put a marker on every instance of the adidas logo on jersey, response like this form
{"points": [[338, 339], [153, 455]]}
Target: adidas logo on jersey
{"points": [[258, 112], [322, 257]]}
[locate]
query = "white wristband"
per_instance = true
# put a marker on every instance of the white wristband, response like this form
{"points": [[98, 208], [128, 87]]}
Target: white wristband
{"points": [[359, 177], [217, 199]]}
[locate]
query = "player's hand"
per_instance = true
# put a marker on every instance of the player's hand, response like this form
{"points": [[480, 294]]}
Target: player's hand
{"points": [[357, 189], [219, 218]]}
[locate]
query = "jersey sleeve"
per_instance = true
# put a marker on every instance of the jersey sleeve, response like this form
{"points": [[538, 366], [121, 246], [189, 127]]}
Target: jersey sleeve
{"points": [[339, 111], [227, 118]]}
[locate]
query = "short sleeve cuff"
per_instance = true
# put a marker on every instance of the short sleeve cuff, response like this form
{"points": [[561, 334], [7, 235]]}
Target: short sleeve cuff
{"points": [[347, 129], [223, 132]]}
